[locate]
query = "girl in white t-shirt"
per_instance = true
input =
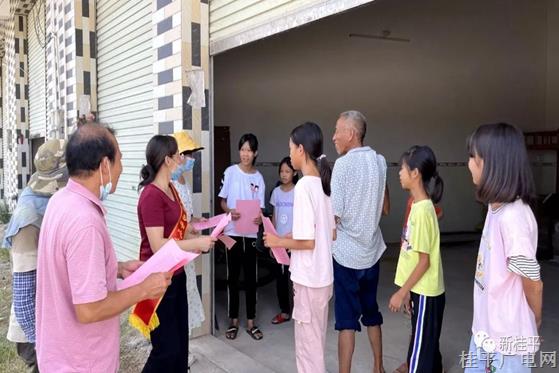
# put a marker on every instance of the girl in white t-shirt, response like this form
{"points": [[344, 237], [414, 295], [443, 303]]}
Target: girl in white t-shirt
{"points": [[507, 283], [311, 247], [282, 217], [242, 181]]}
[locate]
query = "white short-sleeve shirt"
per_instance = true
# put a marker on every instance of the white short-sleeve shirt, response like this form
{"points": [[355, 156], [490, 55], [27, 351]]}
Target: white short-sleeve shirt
{"points": [[238, 185], [313, 219]]}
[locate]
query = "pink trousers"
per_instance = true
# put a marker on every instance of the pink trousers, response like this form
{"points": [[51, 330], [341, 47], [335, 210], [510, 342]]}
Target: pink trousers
{"points": [[310, 312]]}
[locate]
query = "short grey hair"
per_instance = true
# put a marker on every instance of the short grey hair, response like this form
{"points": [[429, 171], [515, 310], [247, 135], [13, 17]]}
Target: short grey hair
{"points": [[358, 121]]}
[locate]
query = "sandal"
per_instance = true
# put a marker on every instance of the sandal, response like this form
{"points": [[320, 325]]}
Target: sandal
{"points": [[255, 333], [231, 333], [402, 368], [280, 319]]}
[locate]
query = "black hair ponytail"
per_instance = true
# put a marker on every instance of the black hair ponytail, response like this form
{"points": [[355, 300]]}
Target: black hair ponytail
{"points": [[147, 174], [309, 135], [325, 174], [159, 147], [438, 188], [423, 159]]}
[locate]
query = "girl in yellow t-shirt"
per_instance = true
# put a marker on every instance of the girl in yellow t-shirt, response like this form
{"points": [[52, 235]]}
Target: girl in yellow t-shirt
{"points": [[419, 273]]}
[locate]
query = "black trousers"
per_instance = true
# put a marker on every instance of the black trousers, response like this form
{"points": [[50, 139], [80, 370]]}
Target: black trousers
{"points": [[242, 255], [26, 351], [283, 288], [169, 340], [424, 354]]}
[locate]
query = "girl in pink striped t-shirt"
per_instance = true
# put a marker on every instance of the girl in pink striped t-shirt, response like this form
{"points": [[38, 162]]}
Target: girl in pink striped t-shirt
{"points": [[507, 284]]}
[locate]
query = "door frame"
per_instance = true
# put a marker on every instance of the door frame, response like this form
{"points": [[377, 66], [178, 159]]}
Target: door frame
{"points": [[212, 194]]}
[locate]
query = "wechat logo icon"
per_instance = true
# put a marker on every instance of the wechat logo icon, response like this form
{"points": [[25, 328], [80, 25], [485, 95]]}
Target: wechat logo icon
{"points": [[483, 340]]}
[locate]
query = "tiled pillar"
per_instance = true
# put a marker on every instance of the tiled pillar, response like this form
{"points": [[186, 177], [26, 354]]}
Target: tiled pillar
{"points": [[71, 75], [4, 136], [16, 139], [84, 77], [202, 188], [1, 132], [71, 61], [8, 125], [22, 101], [181, 43], [53, 45]]}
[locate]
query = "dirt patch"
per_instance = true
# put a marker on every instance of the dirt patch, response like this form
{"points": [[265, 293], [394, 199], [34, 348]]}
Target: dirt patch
{"points": [[134, 348]]}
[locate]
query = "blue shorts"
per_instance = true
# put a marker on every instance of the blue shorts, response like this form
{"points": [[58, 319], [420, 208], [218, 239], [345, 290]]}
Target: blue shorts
{"points": [[355, 292]]}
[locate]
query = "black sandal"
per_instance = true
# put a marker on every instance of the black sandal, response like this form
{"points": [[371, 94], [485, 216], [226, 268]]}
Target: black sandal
{"points": [[231, 333], [255, 333]]}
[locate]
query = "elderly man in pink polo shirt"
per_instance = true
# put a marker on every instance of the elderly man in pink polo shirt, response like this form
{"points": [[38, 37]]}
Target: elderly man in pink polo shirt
{"points": [[77, 299]]}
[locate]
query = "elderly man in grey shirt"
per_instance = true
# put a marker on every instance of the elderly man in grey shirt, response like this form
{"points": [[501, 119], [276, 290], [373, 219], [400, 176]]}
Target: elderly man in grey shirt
{"points": [[359, 198]]}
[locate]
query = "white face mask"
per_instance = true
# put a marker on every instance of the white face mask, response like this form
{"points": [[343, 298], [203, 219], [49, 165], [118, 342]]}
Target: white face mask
{"points": [[105, 190]]}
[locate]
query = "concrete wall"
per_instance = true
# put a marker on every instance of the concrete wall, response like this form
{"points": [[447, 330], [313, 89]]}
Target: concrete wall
{"points": [[545, 172], [468, 62], [552, 64]]}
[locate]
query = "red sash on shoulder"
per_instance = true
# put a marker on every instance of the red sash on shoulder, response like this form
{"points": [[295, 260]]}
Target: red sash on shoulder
{"points": [[143, 316]]}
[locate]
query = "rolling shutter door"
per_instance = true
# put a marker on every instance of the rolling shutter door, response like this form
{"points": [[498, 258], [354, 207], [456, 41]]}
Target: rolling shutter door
{"points": [[125, 101], [37, 70]]}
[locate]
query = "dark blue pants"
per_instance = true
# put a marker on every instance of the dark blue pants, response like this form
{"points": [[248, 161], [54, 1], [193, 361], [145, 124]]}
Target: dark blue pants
{"points": [[355, 292]]}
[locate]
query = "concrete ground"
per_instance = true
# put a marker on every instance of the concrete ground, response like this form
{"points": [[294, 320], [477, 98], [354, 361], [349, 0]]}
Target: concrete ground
{"points": [[276, 350], [275, 353]]}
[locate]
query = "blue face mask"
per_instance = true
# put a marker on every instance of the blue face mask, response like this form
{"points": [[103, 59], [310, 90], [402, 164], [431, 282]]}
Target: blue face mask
{"points": [[105, 190], [181, 169], [189, 165]]}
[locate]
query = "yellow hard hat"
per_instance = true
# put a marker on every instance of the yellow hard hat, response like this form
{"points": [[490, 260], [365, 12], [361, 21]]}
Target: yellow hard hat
{"points": [[185, 142]]}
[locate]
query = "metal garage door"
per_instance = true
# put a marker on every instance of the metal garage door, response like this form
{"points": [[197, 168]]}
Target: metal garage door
{"points": [[37, 70], [125, 101]]}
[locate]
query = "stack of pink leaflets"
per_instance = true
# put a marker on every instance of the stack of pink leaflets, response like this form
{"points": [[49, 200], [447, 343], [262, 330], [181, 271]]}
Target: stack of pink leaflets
{"points": [[167, 259], [171, 257], [210, 223], [249, 210], [280, 254], [219, 222]]}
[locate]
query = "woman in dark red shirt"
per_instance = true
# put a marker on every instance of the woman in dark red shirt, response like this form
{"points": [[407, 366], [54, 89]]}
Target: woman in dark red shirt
{"points": [[162, 217]]}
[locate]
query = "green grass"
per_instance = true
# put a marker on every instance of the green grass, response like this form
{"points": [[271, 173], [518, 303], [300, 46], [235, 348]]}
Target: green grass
{"points": [[5, 213], [4, 257], [9, 361]]}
